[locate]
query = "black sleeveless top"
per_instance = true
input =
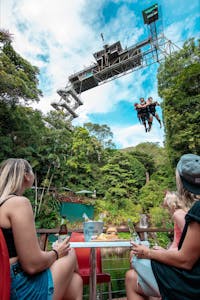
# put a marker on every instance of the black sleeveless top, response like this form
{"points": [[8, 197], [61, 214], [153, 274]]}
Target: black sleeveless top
{"points": [[8, 236], [176, 283], [152, 108]]}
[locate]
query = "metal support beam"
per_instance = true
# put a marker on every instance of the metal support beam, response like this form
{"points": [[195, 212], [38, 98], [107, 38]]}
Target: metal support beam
{"points": [[113, 61]]}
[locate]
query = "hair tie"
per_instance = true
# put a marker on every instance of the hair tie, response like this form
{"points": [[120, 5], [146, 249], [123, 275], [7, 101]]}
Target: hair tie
{"points": [[56, 252]]}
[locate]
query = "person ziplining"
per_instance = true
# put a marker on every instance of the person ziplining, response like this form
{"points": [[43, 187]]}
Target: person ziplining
{"points": [[146, 110], [143, 113], [152, 109], [136, 105]]}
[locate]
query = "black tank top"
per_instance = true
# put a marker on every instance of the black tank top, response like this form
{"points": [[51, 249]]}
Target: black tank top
{"points": [[152, 108], [8, 236]]}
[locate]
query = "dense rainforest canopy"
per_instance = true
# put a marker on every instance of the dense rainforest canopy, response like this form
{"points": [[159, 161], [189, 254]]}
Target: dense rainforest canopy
{"points": [[128, 181], [179, 87]]}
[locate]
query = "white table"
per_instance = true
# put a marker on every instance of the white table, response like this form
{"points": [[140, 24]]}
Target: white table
{"points": [[93, 246]]}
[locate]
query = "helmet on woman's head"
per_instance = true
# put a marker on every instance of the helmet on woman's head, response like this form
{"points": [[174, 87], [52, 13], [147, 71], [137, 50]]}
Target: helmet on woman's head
{"points": [[188, 168]]}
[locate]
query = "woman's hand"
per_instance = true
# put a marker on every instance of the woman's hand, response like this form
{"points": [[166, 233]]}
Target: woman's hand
{"points": [[63, 247], [140, 251]]}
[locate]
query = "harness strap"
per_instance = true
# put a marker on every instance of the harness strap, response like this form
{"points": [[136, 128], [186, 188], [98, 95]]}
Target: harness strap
{"points": [[10, 196]]}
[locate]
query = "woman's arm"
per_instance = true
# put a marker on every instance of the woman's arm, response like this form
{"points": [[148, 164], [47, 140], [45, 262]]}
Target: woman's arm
{"points": [[179, 223], [31, 257], [179, 218], [184, 258]]}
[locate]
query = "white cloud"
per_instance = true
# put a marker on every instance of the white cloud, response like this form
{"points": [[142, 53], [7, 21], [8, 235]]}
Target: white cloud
{"points": [[133, 135], [180, 31], [119, 28]]}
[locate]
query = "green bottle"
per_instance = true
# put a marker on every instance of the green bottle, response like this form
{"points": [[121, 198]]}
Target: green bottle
{"points": [[63, 232]]}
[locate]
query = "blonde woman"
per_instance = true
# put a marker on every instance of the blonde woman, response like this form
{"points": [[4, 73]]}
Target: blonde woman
{"points": [[172, 274], [177, 209], [35, 274]]}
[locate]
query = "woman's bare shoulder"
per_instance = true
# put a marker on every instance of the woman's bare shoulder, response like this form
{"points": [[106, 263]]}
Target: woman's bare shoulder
{"points": [[179, 212], [20, 200], [19, 203]]}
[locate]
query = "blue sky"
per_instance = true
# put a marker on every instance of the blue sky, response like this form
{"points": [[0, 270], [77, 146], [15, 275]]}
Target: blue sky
{"points": [[60, 37]]}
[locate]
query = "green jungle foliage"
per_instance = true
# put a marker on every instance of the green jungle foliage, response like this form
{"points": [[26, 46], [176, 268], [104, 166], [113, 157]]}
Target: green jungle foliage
{"points": [[179, 86], [129, 181], [18, 78]]}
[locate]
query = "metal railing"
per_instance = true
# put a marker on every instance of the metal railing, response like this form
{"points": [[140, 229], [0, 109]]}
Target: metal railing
{"points": [[116, 266]]}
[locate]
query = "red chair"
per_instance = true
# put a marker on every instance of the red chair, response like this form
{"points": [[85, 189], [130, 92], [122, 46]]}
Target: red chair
{"points": [[83, 257], [4, 269]]}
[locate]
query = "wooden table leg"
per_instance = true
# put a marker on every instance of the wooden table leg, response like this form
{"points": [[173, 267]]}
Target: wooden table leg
{"points": [[43, 241], [93, 280]]}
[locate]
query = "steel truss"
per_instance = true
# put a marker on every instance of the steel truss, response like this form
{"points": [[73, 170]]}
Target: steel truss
{"points": [[113, 62]]}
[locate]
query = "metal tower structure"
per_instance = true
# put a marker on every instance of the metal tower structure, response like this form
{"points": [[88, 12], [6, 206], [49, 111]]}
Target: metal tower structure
{"points": [[112, 62]]}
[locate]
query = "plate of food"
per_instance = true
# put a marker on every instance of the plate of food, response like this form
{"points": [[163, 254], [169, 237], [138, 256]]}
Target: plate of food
{"points": [[106, 238]]}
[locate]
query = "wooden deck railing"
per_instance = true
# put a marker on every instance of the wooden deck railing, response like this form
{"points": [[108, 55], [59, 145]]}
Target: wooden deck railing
{"points": [[44, 233]]}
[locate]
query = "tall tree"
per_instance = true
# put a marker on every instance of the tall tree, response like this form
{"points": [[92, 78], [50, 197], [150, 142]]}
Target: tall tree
{"points": [[84, 159], [18, 78], [21, 129], [179, 86], [102, 133], [122, 177]]}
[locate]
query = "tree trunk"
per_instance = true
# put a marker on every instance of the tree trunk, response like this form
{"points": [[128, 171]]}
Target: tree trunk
{"points": [[147, 177]]}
